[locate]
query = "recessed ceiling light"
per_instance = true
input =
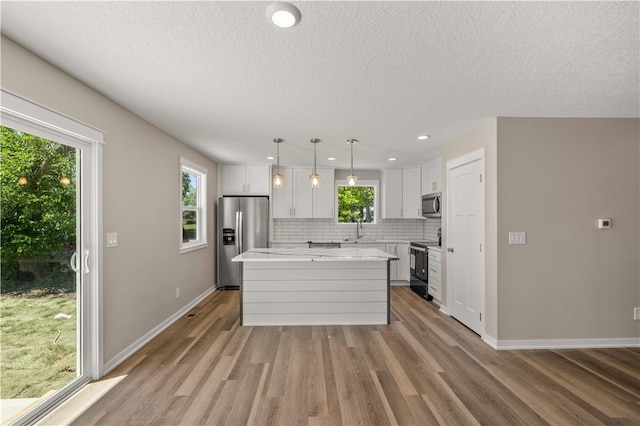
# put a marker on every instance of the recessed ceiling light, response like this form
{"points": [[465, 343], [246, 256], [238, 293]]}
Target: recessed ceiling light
{"points": [[271, 158], [283, 15], [331, 158], [392, 159], [423, 137]]}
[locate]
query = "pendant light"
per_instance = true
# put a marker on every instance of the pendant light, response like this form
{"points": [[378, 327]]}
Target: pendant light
{"points": [[315, 177], [352, 178], [277, 177]]}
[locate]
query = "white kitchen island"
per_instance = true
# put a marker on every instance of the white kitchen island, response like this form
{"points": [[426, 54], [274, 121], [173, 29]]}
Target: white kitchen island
{"points": [[302, 286]]}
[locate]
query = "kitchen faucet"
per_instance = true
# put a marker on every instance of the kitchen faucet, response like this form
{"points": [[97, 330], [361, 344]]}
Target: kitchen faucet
{"points": [[358, 228]]}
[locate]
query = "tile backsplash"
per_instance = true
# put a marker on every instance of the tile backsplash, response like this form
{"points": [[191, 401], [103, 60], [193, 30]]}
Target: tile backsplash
{"points": [[328, 229]]}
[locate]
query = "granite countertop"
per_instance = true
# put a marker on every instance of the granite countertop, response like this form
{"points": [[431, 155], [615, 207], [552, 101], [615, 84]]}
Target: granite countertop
{"points": [[315, 255]]}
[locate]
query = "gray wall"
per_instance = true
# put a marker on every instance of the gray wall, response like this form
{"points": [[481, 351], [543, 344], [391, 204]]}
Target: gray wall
{"points": [[553, 178], [141, 196], [557, 176]]}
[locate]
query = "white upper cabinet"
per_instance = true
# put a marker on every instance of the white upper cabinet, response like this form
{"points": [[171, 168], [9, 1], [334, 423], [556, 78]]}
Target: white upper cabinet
{"points": [[401, 191], [324, 197], [431, 176], [282, 198], [392, 193], [302, 194], [412, 195], [238, 179], [297, 199]]}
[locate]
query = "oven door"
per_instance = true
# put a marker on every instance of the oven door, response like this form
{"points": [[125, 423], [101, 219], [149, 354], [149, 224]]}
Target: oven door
{"points": [[418, 261]]}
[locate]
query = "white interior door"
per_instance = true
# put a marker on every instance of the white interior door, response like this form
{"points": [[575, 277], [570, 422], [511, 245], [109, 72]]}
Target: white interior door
{"points": [[465, 242]]}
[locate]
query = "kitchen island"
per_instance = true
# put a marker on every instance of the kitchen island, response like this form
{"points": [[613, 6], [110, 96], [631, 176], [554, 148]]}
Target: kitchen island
{"points": [[303, 286]]}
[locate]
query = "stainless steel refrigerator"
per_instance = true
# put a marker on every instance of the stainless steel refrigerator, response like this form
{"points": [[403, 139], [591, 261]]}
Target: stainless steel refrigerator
{"points": [[243, 224]]}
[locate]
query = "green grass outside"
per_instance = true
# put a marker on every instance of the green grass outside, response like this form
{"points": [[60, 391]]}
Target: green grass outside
{"points": [[31, 363]]}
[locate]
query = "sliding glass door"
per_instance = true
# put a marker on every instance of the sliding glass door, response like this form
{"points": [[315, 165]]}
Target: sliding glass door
{"points": [[49, 340]]}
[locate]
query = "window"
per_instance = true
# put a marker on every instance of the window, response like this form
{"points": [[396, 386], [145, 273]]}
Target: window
{"points": [[193, 206], [357, 203]]}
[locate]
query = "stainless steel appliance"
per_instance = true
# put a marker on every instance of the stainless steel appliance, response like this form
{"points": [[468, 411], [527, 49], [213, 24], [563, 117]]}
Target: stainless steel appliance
{"points": [[431, 205], [243, 224], [418, 267]]}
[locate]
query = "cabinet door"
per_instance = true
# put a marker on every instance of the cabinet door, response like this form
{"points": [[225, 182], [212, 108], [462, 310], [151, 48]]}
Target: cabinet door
{"points": [[437, 173], [282, 199], [412, 194], [258, 180], [426, 179], [403, 262], [233, 179], [431, 176], [302, 194], [324, 196], [392, 193]]}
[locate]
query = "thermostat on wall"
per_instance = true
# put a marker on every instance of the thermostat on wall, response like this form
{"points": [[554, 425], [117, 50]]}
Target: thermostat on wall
{"points": [[604, 223]]}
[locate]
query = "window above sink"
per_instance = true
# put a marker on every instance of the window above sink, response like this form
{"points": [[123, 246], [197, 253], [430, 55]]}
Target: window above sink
{"points": [[357, 203]]}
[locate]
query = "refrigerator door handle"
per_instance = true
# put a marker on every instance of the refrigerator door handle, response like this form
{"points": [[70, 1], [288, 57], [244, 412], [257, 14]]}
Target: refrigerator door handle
{"points": [[237, 232], [240, 232]]}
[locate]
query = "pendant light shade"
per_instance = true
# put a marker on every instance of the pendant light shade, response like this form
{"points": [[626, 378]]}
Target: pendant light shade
{"points": [[277, 177], [314, 177], [351, 179]]}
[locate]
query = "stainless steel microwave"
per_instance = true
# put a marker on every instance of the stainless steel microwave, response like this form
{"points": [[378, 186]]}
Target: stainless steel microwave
{"points": [[432, 205]]}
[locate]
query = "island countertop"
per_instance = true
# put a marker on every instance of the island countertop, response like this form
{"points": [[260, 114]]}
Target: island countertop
{"points": [[313, 254]]}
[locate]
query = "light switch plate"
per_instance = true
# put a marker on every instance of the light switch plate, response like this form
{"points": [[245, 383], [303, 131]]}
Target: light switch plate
{"points": [[517, 238], [112, 239]]}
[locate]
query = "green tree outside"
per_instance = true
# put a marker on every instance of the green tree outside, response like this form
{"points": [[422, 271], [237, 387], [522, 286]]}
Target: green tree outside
{"points": [[356, 203], [38, 201]]}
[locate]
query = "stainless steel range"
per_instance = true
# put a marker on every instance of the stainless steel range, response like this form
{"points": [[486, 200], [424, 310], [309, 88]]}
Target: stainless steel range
{"points": [[419, 265]]}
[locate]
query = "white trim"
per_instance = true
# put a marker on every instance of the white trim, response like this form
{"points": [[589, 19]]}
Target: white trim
{"points": [[43, 121], [138, 344], [466, 158], [631, 342]]}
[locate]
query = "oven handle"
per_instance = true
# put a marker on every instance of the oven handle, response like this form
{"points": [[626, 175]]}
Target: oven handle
{"points": [[417, 248]]}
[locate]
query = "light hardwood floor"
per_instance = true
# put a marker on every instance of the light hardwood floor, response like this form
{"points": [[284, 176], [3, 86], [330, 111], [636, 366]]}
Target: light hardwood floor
{"points": [[424, 368]]}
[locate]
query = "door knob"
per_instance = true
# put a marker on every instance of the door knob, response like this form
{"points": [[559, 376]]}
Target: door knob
{"points": [[450, 249]]}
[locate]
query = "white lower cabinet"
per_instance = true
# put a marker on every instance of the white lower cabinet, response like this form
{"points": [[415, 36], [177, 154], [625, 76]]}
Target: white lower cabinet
{"points": [[434, 275], [399, 268]]}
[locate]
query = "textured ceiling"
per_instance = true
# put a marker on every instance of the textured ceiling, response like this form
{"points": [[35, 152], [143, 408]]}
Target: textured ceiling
{"points": [[220, 77]]}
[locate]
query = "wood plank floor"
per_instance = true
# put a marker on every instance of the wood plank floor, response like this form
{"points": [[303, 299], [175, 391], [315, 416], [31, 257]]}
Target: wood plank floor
{"points": [[424, 368]]}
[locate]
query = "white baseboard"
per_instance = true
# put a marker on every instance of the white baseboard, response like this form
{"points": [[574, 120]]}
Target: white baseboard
{"points": [[562, 343], [444, 310], [126, 353]]}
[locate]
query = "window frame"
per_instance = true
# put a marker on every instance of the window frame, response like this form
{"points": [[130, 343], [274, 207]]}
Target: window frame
{"points": [[376, 200], [201, 173]]}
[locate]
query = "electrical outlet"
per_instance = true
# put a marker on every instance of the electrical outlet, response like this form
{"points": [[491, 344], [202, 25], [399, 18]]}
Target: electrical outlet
{"points": [[177, 292], [636, 313]]}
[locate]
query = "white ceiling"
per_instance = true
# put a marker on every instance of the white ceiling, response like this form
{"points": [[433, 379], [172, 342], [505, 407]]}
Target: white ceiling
{"points": [[220, 77]]}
